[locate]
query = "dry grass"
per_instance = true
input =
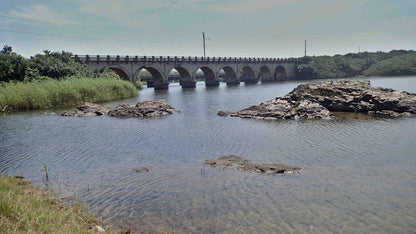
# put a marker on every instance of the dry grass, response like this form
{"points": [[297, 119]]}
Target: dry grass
{"points": [[27, 209]]}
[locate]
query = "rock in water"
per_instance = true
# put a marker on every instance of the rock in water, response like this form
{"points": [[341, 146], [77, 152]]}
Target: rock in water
{"points": [[232, 161], [142, 169], [143, 109], [317, 100], [87, 109]]}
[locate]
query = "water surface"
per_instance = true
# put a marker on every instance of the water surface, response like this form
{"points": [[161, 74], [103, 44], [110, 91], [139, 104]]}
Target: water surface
{"points": [[358, 173]]}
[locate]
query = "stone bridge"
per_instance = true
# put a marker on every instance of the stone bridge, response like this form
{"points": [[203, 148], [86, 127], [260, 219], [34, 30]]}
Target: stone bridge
{"points": [[232, 70]]}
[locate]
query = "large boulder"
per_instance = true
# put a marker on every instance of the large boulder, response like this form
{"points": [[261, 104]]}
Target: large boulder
{"points": [[317, 100]]}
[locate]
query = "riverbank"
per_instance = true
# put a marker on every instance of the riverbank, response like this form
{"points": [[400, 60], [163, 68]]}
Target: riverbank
{"points": [[27, 209], [62, 93]]}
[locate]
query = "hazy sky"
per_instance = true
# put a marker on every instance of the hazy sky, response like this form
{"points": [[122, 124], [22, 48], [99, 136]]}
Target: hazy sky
{"points": [[236, 28]]}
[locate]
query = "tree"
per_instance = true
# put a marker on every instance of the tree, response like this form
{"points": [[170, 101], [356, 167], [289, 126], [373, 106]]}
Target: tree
{"points": [[58, 65], [12, 66], [7, 49]]}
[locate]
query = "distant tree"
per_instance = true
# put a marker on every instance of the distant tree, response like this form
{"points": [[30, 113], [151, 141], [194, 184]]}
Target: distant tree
{"points": [[47, 52], [7, 49], [395, 62], [58, 65], [12, 66]]}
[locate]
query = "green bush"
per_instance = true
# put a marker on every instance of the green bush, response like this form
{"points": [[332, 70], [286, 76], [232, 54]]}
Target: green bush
{"points": [[72, 91], [57, 65], [12, 66]]}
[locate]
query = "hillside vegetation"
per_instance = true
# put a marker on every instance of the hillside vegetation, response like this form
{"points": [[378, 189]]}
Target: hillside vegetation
{"points": [[393, 63]]}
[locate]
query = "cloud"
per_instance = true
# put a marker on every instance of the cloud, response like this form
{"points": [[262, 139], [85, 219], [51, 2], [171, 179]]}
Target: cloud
{"points": [[245, 6], [40, 13], [128, 8]]}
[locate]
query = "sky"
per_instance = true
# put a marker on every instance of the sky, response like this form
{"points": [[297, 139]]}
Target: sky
{"points": [[233, 28]]}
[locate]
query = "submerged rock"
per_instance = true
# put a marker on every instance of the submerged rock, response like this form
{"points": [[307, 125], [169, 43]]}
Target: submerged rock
{"points": [[142, 169], [233, 161], [141, 109], [317, 100]]}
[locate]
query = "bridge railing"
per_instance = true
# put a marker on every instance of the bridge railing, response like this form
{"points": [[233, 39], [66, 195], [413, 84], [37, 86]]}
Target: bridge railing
{"points": [[127, 58]]}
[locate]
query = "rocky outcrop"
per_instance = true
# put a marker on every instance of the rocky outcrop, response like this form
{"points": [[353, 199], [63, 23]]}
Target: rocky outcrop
{"points": [[141, 109], [232, 161], [87, 109], [317, 100]]}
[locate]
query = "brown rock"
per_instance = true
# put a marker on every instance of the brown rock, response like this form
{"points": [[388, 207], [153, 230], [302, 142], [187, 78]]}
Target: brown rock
{"points": [[142, 169], [143, 109], [87, 109], [223, 113], [232, 161]]}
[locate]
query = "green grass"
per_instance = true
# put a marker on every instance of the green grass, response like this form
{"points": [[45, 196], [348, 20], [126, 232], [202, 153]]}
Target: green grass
{"points": [[62, 93], [27, 209]]}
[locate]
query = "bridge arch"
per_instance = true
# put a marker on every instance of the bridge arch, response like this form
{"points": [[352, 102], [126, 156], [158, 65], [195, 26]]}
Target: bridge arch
{"points": [[231, 75], [186, 80], [185, 75], [120, 71], [248, 75], [159, 81], [265, 75], [210, 77], [280, 73]]}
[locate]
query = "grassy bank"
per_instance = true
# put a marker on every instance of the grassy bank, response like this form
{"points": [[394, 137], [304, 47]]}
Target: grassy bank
{"points": [[26, 209], [62, 93]]}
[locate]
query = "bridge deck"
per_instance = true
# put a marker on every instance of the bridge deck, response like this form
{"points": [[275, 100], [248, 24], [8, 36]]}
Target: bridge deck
{"points": [[127, 58]]}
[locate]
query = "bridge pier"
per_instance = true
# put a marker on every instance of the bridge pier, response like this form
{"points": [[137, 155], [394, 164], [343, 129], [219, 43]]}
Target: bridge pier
{"points": [[150, 83], [233, 82], [164, 86], [251, 81], [188, 84], [268, 80], [212, 83]]}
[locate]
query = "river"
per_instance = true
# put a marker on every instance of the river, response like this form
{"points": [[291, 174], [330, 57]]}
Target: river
{"points": [[358, 173]]}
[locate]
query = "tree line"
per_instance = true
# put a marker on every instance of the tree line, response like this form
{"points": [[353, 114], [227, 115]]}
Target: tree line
{"points": [[393, 63], [49, 65]]}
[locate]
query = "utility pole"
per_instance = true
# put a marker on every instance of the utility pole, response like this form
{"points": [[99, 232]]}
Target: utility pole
{"points": [[203, 42], [305, 48], [359, 49]]}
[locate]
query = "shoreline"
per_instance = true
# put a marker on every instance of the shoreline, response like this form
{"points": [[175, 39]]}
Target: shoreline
{"points": [[48, 94], [28, 208]]}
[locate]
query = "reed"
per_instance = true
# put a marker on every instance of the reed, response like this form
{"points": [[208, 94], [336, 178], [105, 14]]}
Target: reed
{"points": [[62, 93]]}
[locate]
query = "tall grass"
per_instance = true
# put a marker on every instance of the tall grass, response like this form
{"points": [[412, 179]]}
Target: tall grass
{"points": [[62, 93], [27, 209]]}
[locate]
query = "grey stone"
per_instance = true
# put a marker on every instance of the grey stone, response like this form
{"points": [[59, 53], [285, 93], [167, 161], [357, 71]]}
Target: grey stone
{"points": [[317, 100]]}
